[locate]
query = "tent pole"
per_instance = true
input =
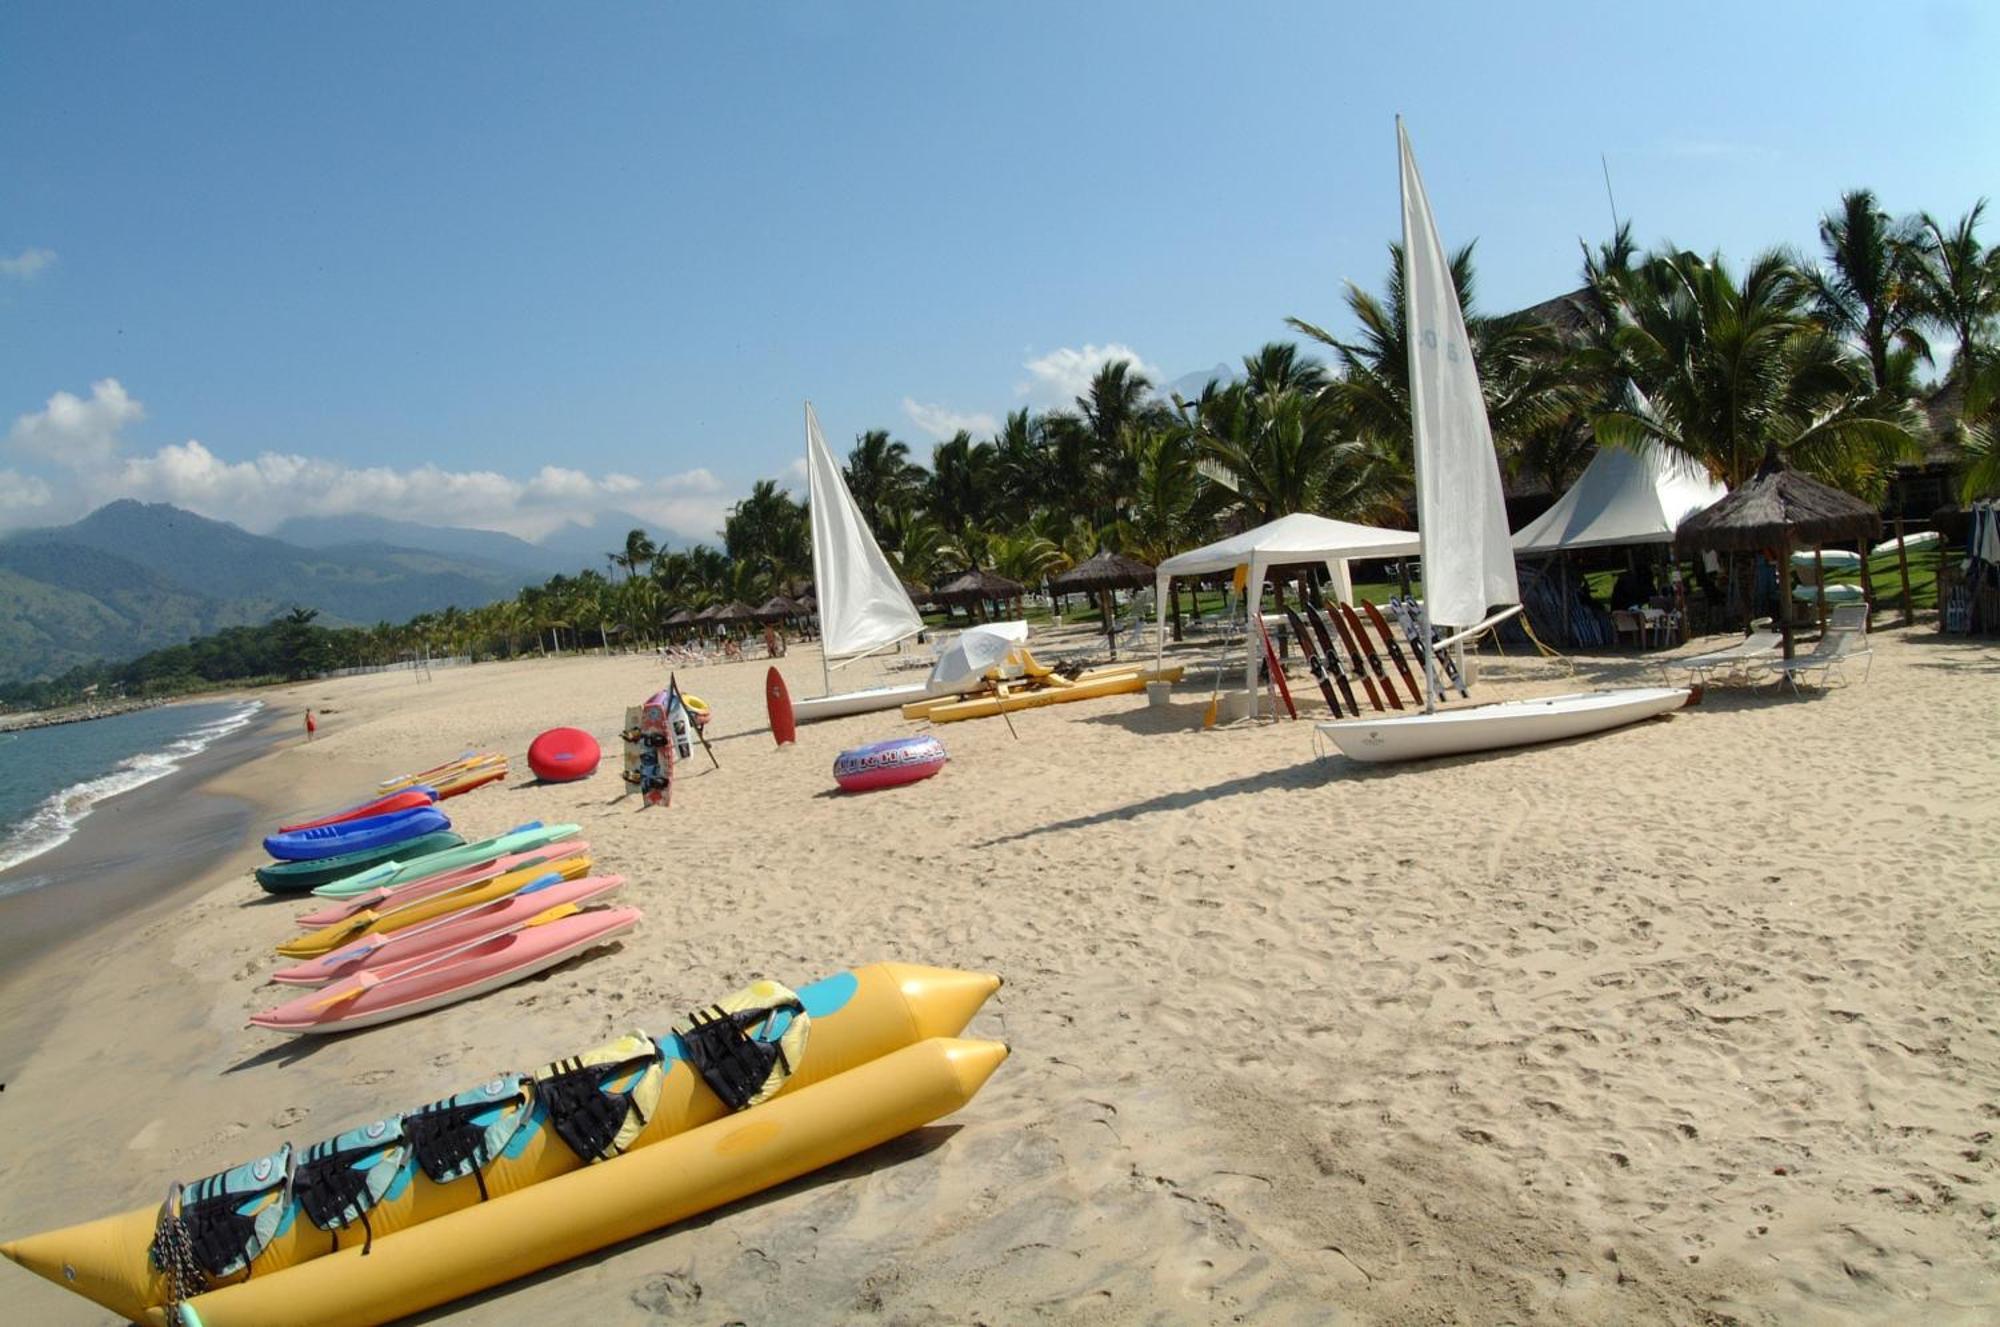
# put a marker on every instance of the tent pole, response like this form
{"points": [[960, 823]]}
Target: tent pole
{"points": [[1819, 574], [1784, 590], [1903, 567]]}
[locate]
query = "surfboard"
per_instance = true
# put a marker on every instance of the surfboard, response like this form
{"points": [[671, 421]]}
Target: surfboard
{"points": [[779, 702]]}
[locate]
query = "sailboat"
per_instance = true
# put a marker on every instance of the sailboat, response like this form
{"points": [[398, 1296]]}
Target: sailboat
{"points": [[1468, 556], [863, 607]]}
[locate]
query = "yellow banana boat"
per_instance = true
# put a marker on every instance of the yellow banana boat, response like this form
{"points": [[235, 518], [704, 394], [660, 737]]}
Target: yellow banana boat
{"points": [[846, 1024], [369, 922]]}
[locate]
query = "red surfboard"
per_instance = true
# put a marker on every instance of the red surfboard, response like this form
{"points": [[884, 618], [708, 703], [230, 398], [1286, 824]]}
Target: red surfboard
{"points": [[779, 702]]}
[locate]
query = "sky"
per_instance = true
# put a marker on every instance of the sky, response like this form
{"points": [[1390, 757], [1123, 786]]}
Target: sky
{"points": [[512, 266]]}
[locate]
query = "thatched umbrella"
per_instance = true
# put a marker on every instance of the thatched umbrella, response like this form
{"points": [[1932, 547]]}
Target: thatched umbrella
{"points": [[976, 587], [1781, 509], [735, 611], [1100, 576], [776, 609]]}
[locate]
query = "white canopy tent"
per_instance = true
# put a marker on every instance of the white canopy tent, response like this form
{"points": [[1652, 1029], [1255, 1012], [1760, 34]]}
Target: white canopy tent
{"points": [[1623, 496], [1300, 537]]}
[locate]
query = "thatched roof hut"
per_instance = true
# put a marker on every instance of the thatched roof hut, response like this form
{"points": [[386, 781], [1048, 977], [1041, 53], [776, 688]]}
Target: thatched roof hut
{"points": [[681, 618], [777, 608], [735, 611], [1106, 571], [976, 585], [1779, 508]]}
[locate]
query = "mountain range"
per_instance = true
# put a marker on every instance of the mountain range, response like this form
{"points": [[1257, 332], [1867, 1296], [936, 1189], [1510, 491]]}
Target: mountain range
{"points": [[132, 577]]}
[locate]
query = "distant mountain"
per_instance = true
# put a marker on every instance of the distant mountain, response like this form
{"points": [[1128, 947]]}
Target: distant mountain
{"points": [[585, 545], [132, 576], [1189, 385], [490, 546]]}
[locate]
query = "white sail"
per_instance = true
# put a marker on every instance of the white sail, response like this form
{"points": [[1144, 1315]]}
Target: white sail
{"points": [[1461, 513], [862, 604]]}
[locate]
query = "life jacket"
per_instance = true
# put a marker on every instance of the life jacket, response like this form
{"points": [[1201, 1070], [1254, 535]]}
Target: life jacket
{"points": [[228, 1218], [746, 1046], [340, 1179], [461, 1134], [599, 1102]]}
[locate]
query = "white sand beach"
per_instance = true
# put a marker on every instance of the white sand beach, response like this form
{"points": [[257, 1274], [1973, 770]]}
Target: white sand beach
{"points": [[1694, 1022]]}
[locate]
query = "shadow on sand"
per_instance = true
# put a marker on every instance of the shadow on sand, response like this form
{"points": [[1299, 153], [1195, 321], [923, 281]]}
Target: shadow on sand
{"points": [[911, 1146]]}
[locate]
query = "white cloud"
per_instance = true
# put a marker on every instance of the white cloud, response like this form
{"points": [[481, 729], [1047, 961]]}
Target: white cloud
{"points": [[795, 473], [83, 437], [78, 433], [1064, 374], [23, 493], [28, 264], [261, 492], [941, 421], [1715, 149]]}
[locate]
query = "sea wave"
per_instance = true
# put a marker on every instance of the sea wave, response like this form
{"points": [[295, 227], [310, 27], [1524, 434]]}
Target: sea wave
{"points": [[54, 822]]}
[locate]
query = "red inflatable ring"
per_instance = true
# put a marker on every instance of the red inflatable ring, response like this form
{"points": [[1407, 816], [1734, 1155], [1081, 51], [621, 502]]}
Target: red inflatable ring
{"points": [[563, 755]]}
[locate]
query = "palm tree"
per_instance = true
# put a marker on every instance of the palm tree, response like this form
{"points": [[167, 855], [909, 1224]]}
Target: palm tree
{"points": [[1023, 469], [1868, 290], [881, 477], [1980, 433], [961, 483], [1733, 371], [769, 532], [1285, 453], [1958, 285], [639, 551], [1173, 504], [1525, 377]]}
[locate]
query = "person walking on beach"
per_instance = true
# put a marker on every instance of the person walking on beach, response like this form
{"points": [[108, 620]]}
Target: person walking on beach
{"points": [[312, 726]]}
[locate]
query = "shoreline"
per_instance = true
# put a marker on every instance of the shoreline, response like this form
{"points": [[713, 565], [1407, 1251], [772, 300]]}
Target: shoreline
{"points": [[97, 881]]}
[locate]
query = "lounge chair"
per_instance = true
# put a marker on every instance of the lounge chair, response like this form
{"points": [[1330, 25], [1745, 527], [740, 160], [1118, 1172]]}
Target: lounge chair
{"points": [[1837, 648], [1738, 661], [1847, 617]]}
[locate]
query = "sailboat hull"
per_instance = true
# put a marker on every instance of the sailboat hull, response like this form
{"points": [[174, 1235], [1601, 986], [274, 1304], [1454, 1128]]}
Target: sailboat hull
{"points": [[1495, 727], [863, 702]]}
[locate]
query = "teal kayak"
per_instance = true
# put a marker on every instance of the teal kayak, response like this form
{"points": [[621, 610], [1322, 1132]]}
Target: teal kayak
{"points": [[299, 877], [401, 870]]}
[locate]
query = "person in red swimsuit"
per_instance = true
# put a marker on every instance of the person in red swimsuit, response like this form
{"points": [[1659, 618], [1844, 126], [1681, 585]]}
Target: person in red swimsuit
{"points": [[312, 726]]}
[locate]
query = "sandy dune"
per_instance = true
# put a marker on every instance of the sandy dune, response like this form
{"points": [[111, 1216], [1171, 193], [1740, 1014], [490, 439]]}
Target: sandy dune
{"points": [[1695, 1022]]}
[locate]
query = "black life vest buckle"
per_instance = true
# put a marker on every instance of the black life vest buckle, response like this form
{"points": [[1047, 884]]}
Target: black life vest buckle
{"points": [[583, 1113], [733, 1063]]}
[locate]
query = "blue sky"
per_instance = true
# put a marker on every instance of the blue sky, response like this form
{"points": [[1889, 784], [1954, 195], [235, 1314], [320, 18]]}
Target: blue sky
{"points": [[495, 264]]}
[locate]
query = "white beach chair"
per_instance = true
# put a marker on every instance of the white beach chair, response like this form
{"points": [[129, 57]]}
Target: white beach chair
{"points": [[1737, 662], [1836, 649], [1847, 617]]}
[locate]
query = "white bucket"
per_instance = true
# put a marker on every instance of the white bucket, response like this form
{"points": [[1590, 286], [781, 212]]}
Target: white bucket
{"points": [[1159, 694]]}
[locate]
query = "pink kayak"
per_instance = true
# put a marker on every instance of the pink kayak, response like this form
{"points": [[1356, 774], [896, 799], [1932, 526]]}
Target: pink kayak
{"points": [[431, 885], [454, 928], [407, 800], [415, 985]]}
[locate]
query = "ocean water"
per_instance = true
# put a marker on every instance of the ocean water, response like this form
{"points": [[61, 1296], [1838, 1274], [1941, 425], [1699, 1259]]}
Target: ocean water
{"points": [[52, 778]]}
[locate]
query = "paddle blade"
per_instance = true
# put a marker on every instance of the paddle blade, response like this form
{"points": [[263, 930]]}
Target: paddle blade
{"points": [[556, 913], [363, 980], [541, 882]]}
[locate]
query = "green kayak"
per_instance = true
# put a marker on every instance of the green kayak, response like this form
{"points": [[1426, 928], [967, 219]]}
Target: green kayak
{"points": [[304, 877], [401, 868]]}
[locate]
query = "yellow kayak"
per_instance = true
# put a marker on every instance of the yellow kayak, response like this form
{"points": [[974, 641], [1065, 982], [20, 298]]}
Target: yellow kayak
{"points": [[855, 1021], [369, 922], [1052, 691]]}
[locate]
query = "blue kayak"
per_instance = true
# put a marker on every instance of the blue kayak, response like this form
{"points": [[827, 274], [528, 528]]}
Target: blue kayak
{"points": [[309, 845]]}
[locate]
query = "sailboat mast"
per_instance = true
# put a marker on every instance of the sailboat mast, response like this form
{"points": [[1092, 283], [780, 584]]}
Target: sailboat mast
{"points": [[1416, 445]]}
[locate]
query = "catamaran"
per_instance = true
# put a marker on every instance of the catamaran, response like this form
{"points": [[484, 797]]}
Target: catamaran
{"points": [[1468, 557]]}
